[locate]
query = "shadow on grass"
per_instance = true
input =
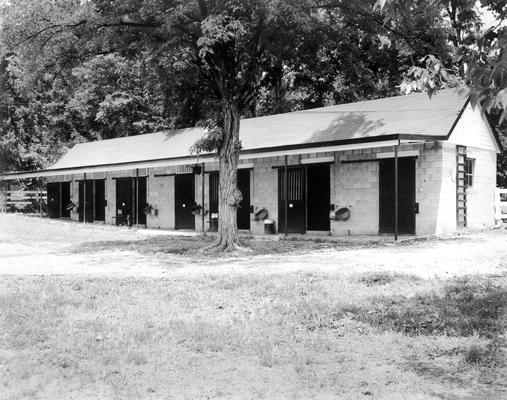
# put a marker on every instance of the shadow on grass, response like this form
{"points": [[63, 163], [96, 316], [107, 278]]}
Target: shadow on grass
{"points": [[381, 278], [185, 245], [463, 309], [173, 245]]}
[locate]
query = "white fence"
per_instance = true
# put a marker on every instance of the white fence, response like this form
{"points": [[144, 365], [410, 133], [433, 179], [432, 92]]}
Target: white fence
{"points": [[23, 200]]}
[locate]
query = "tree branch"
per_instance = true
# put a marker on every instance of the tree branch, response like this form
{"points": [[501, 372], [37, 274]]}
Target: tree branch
{"points": [[41, 31], [374, 18]]}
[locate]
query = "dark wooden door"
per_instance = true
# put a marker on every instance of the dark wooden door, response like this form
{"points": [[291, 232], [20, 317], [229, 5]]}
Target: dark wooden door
{"points": [[100, 200], [296, 190], [184, 200], [406, 196], [213, 192], [141, 200], [319, 197], [124, 200], [80, 208], [86, 201], [65, 199], [243, 214], [53, 199]]}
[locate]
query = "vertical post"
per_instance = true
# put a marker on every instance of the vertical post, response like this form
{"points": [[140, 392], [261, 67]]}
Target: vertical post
{"points": [[137, 197], [396, 183], [286, 196], [84, 197], [202, 198]]}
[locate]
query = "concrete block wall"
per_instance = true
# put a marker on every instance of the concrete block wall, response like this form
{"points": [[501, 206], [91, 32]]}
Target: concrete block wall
{"points": [[265, 195], [74, 194], [264, 179], [160, 194], [356, 187], [353, 185], [110, 189], [481, 196], [429, 189], [441, 198]]}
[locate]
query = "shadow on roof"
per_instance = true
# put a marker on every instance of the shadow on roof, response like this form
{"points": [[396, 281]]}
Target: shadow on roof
{"points": [[353, 125], [170, 134]]}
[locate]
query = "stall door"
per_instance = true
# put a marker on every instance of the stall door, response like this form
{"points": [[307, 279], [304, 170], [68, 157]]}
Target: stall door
{"points": [[184, 200], [141, 200], [213, 192], [296, 190], [124, 206], [53, 199], [65, 199], [86, 201], [243, 214], [319, 197], [406, 196], [100, 200]]}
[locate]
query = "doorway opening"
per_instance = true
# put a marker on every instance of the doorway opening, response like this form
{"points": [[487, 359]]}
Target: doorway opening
{"points": [[406, 195], [130, 201], [308, 198], [58, 198], [184, 201]]}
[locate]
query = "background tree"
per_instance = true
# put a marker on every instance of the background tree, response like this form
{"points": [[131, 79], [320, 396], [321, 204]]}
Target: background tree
{"points": [[478, 61]]}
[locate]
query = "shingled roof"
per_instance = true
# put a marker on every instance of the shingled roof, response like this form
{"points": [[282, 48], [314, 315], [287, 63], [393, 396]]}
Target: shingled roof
{"points": [[413, 116]]}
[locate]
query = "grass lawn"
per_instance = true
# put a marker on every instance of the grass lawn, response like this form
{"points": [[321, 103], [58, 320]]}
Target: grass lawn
{"points": [[360, 330]]}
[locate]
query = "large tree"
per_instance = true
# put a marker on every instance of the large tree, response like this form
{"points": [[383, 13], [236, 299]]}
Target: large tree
{"points": [[224, 47], [227, 46]]}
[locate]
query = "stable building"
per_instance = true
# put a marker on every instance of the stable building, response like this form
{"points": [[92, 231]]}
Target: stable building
{"points": [[405, 164]]}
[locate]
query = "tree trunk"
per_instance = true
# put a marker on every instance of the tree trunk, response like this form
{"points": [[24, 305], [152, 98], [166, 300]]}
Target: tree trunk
{"points": [[229, 195]]}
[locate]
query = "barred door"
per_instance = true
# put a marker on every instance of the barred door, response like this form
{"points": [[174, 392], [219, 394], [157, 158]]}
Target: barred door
{"points": [[296, 200]]}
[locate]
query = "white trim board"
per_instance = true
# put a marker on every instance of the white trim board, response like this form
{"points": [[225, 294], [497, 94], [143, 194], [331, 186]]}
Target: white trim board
{"points": [[246, 165], [406, 153], [317, 160], [324, 149]]}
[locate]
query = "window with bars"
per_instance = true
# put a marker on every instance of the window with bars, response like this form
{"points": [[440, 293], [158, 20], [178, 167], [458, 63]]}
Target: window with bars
{"points": [[469, 172]]}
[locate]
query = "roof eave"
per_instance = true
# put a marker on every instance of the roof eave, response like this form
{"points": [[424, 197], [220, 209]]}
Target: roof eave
{"points": [[368, 142]]}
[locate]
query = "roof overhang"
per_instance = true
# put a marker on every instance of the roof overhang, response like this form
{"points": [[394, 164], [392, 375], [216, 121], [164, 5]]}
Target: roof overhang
{"points": [[306, 148]]}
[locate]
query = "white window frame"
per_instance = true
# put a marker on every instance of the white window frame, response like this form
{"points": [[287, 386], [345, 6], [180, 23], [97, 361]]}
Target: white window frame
{"points": [[469, 172]]}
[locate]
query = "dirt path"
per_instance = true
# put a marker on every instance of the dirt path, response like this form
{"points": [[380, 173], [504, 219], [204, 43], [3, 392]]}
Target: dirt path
{"points": [[435, 258]]}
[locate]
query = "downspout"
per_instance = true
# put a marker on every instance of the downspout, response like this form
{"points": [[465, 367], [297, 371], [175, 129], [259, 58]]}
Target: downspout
{"points": [[202, 199], [396, 190], [84, 197], [137, 196], [286, 197]]}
